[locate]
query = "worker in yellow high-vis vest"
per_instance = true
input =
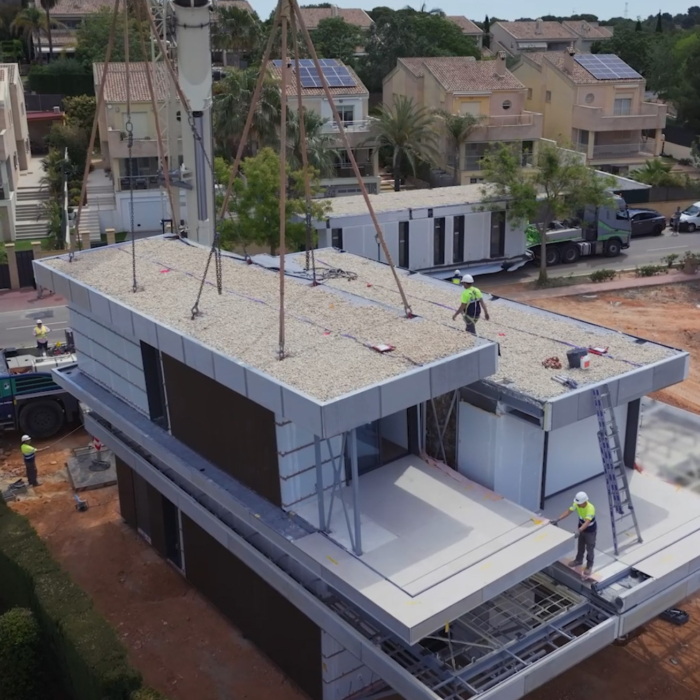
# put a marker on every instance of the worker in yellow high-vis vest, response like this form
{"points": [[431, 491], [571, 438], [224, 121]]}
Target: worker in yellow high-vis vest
{"points": [[29, 454], [586, 530], [472, 304], [40, 332]]}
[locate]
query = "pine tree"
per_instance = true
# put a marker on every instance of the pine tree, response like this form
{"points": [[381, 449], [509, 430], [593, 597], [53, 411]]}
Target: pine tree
{"points": [[638, 26], [487, 30], [659, 25]]}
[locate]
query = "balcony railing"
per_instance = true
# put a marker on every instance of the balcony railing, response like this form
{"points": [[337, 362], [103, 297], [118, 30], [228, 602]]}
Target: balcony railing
{"points": [[523, 119], [350, 126], [649, 116], [140, 182], [475, 162], [618, 150]]}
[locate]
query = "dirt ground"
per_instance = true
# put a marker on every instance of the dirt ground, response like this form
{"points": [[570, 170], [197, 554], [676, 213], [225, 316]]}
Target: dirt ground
{"points": [[182, 646], [668, 314]]}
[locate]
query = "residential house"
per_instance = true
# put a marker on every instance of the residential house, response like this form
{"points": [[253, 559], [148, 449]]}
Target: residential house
{"points": [[595, 102], [14, 146], [531, 35], [462, 85], [141, 172], [352, 15], [236, 59], [351, 100], [587, 34], [304, 497], [69, 14], [468, 29]]}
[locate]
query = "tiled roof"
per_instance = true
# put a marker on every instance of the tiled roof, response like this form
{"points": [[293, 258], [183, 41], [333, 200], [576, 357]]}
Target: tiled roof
{"points": [[352, 15], [580, 75], [240, 4], [69, 8], [61, 38], [466, 25], [463, 73], [586, 30], [292, 87], [115, 87], [529, 30]]}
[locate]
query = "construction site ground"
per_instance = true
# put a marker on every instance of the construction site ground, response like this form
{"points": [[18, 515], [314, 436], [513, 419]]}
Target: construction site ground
{"points": [[186, 649]]}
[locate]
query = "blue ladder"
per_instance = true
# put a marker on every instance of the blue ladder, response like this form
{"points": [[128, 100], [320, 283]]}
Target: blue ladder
{"points": [[619, 498]]}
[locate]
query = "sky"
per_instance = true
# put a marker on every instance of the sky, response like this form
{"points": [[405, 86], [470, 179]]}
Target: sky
{"points": [[514, 9]]}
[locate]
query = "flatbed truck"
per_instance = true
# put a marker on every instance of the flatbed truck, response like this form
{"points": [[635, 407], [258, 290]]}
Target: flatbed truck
{"points": [[30, 400], [602, 231]]}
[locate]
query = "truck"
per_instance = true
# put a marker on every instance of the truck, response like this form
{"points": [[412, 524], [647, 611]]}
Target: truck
{"points": [[604, 230], [30, 400]]}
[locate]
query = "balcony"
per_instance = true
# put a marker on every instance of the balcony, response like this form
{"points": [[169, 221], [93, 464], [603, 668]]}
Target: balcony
{"points": [[651, 116], [140, 182], [619, 150], [357, 131], [472, 163], [142, 147], [526, 126]]}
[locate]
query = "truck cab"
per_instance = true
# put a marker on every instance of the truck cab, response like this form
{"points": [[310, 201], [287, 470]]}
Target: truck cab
{"points": [[30, 400]]}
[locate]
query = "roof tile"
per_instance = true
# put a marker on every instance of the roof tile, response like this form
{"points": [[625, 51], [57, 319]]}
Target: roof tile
{"points": [[69, 8], [115, 86], [463, 73], [530, 30], [352, 15], [358, 89], [465, 24], [586, 30], [580, 76]]}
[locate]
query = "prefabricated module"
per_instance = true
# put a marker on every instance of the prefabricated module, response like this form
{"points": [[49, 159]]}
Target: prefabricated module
{"points": [[303, 498]]}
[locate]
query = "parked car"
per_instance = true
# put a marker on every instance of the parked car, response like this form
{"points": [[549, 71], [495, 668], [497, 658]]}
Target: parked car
{"points": [[690, 218], [645, 221]]}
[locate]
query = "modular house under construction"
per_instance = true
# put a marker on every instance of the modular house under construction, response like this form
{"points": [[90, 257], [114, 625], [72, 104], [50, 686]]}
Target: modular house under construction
{"points": [[371, 510]]}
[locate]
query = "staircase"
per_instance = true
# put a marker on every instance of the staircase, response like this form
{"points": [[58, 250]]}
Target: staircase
{"points": [[30, 224]]}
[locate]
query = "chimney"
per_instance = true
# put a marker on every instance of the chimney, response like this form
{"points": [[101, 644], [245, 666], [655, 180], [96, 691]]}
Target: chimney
{"points": [[569, 60], [501, 64], [538, 26], [334, 10]]}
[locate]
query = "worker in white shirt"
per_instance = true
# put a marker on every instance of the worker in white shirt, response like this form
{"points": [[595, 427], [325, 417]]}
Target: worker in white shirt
{"points": [[40, 332]]}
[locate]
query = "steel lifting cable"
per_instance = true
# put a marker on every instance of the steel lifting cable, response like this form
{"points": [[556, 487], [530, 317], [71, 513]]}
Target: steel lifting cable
{"points": [[93, 133], [283, 169], [129, 127]]}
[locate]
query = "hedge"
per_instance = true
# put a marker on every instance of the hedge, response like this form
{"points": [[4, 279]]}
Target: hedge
{"points": [[84, 652], [21, 657]]}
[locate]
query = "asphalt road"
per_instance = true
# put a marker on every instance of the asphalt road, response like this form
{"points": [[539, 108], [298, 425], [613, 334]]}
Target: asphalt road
{"points": [[16, 326], [644, 250]]}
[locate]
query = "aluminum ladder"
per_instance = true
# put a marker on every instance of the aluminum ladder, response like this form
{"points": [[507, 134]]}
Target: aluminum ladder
{"points": [[619, 497]]}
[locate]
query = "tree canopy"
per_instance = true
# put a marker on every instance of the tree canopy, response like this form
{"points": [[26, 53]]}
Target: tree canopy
{"points": [[92, 38], [336, 38]]}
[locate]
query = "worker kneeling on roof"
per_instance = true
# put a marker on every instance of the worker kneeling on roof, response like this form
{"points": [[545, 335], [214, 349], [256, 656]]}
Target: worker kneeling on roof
{"points": [[586, 531], [472, 304]]}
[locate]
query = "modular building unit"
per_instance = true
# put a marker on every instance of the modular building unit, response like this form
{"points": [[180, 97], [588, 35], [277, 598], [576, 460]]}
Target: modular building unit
{"points": [[432, 231], [299, 495]]}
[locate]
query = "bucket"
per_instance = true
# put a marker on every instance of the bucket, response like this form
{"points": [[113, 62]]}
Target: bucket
{"points": [[574, 356]]}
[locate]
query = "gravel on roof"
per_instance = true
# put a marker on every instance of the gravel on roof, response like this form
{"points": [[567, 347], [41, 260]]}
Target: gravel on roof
{"points": [[527, 336], [327, 332]]}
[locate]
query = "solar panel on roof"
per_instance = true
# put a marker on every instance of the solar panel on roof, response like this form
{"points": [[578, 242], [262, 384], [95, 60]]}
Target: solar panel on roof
{"points": [[607, 67]]}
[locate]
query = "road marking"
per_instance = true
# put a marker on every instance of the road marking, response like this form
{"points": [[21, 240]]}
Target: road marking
{"points": [[19, 328], [674, 247]]}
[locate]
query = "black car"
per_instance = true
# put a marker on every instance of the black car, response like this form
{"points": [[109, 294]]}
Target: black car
{"points": [[646, 221]]}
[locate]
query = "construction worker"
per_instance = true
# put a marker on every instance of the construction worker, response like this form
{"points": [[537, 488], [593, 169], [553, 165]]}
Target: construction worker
{"points": [[457, 277], [29, 454], [40, 331], [472, 304], [585, 532]]}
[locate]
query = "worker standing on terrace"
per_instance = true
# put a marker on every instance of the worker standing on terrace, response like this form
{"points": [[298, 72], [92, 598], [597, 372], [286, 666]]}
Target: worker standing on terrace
{"points": [[472, 304], [586, 531]]}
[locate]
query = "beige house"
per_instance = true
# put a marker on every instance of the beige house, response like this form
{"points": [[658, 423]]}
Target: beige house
{"points": [[14, 145], [468, 28], [604, 117], [462, 85], [587, 34], [531, 35], [352, 15], [352, 103]]}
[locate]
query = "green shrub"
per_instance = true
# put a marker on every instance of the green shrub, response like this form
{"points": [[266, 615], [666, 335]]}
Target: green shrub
{"points": [[650, 270], [21, 661], [87, 657], [602, 275], [147, 694], [670, 259]]}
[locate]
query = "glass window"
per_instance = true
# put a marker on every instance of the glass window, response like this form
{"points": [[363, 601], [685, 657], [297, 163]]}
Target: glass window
{"points": [[347, 114], [337, 238], [548, 96], [498, 234], [507, 104], [623, 105], [458, 240], [404, 259], [692, 210], [439, 242], [590, 98]]}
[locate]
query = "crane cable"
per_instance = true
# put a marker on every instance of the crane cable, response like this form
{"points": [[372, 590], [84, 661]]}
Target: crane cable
{"points": [[93, 133]]}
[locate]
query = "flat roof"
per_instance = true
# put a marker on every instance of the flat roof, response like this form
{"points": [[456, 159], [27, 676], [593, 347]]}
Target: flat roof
{"points": [[406, 199], [329, 331], [435, 545]]}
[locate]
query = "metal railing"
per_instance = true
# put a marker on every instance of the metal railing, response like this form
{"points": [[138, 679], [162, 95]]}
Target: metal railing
{"points": [[350, 126], [622, 150], [140, 182], [475, 162], [523, 119]]}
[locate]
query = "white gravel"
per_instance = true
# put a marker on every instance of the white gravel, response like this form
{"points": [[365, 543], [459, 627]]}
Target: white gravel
{"points": [[322, 361], [527, 336]]}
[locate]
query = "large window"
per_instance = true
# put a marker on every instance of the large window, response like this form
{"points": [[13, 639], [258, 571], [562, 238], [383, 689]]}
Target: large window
{"points": [[498, 234], [337, 238], [141, 173], [403, 245], [458, 240], [155, 386], [623, 105], [347, 114], [439, 241]]}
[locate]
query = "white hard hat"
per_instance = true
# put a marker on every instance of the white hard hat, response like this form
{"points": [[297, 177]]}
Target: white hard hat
{"points": [[38, 321], [468, 278], [580, 497], [457, 273], [25, 438]]}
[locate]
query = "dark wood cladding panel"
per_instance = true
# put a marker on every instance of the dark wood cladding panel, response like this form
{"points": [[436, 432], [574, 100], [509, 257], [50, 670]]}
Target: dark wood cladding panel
{"points": [[156, 503], [127, 496], [230, 430], [268, 619]]}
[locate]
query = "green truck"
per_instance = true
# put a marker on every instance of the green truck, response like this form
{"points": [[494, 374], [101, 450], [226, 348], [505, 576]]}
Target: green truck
{"points": [[30, 400], [598, 231]]}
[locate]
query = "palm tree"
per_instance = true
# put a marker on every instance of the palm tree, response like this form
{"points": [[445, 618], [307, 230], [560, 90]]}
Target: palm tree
{"points": [[320, 147], [457, 127], [409, 132], [236, 30], [655, 172], [30, 23], [232, 97], [48, 5]]}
